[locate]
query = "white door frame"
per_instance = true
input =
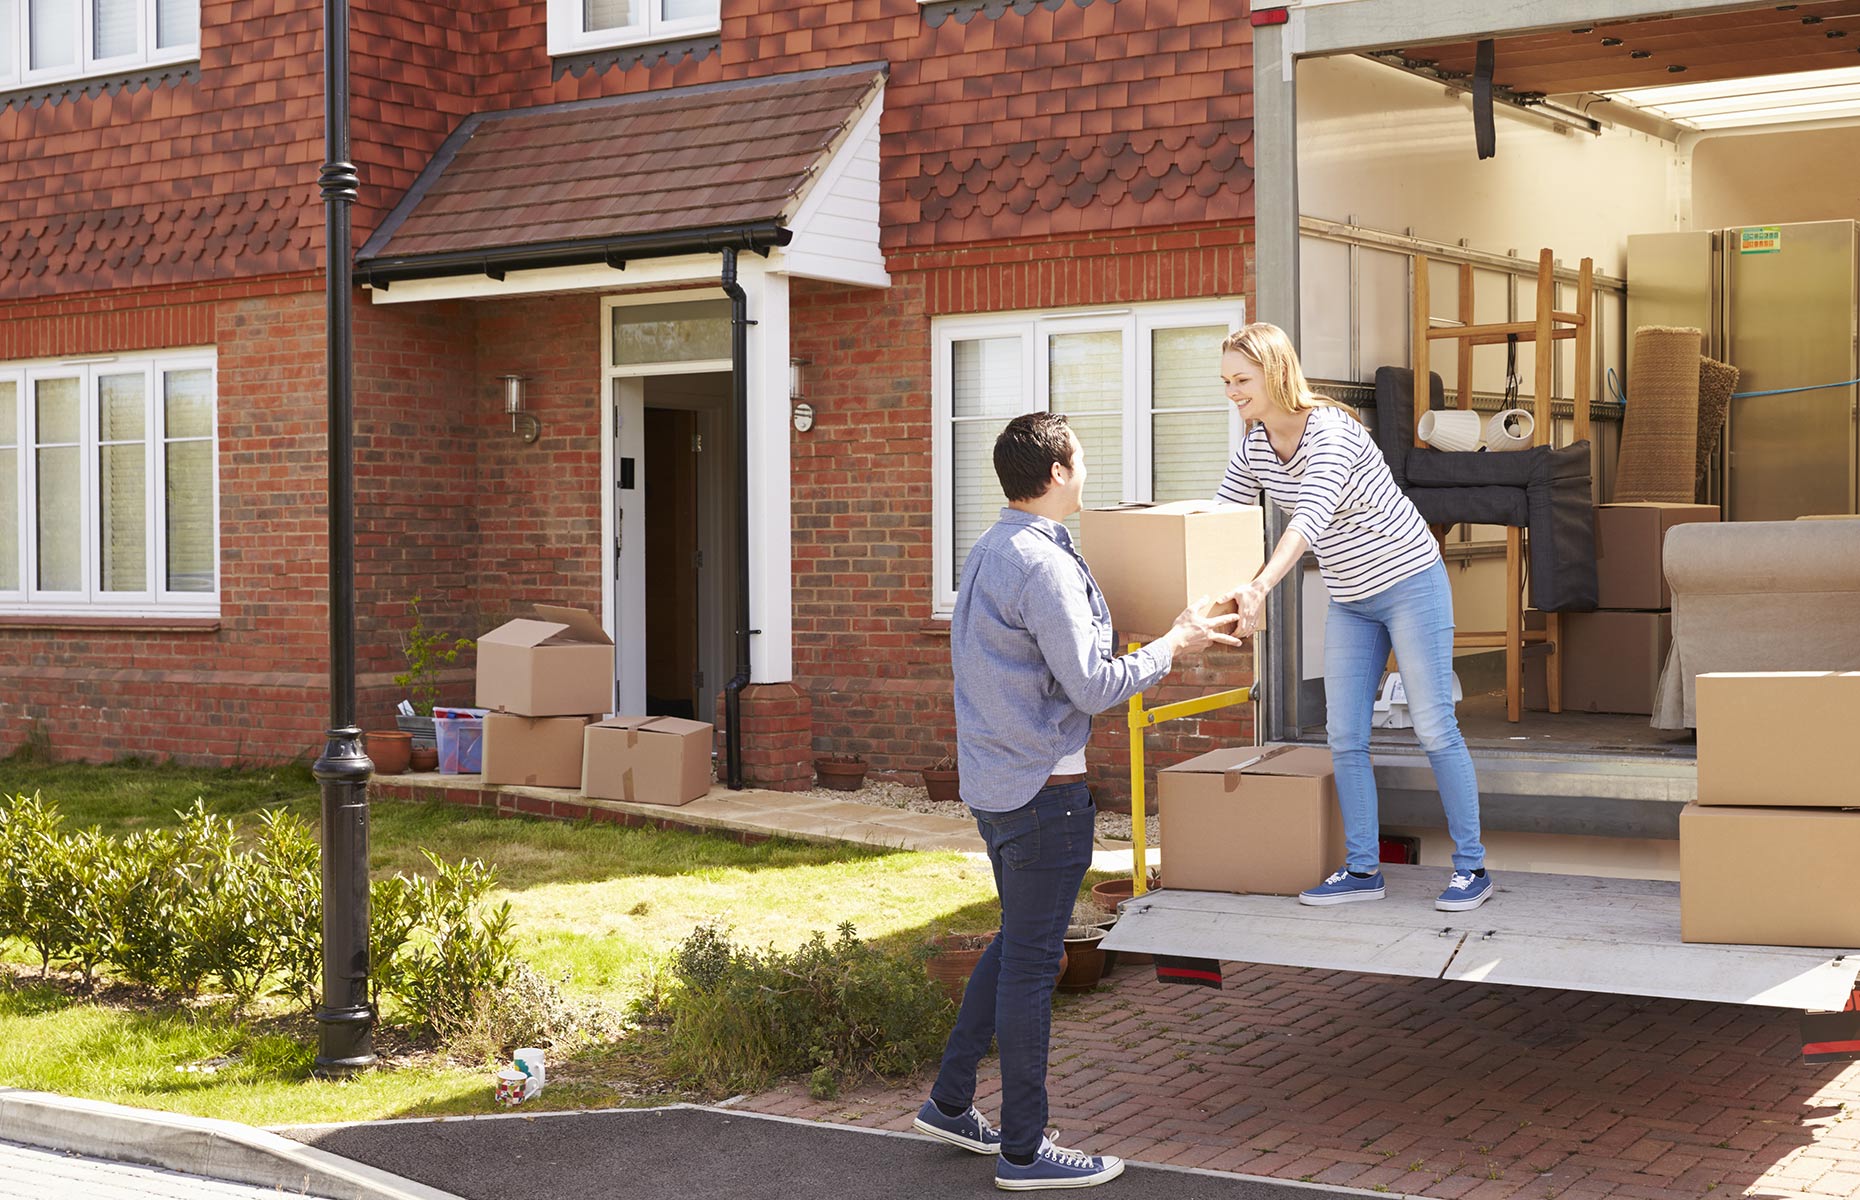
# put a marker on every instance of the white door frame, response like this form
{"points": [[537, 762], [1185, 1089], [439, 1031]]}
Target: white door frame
{"points": [[769, 487]]}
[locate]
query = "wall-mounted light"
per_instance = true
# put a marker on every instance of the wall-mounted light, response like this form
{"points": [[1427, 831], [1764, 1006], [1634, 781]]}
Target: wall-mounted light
{"points": [[797, 392], [520, 421]]}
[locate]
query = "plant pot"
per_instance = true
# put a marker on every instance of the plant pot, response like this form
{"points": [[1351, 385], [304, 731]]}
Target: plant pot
{"points": [[944, 786], [1084, 959], [954, 956], [839, 776], [424, 758], [388, 750], [1110, 896]]}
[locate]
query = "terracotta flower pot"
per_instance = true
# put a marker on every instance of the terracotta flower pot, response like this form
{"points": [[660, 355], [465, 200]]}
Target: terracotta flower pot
{"points": [[1084, 959], [954, 956], [840, 775], [1110, 895], [944, 786], [426, 758], [388, 749]]}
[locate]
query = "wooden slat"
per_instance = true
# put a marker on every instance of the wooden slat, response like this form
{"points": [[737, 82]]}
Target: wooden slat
{"points": [[1585, 347], [1423, 385], [1467, 316]]}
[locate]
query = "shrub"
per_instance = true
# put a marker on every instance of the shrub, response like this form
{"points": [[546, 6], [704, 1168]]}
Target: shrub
{"points": [[831, 1010], [528, 1010], [452, 946]]}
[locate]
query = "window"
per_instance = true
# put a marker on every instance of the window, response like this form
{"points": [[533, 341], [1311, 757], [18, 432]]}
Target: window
{"points": [[108, 487], [1141, 387], [45, 41], [580, 25]]}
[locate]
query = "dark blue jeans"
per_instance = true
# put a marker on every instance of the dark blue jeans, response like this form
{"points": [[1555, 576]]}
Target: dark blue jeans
{"points": [[1040, 852]]}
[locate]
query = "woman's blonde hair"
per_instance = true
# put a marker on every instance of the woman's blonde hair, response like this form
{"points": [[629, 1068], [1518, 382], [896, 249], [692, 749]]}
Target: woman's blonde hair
{"points": [[1286, 386]]}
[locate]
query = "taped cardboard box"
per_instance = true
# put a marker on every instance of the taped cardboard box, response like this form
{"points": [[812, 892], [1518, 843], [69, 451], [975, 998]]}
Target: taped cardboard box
{"points": [[1780, 738], [1768, 876], [647, 760], [1154, 560], [560, 664], [533, 751], [1611, 661], [1629, 540], [1258, 819]]}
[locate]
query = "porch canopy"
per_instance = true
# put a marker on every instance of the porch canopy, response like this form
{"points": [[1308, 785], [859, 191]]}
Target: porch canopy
{"points": [[678, 171]]}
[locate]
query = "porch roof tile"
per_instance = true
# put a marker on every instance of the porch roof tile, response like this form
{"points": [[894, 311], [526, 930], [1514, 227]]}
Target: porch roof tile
{"points": [[650, 163]]}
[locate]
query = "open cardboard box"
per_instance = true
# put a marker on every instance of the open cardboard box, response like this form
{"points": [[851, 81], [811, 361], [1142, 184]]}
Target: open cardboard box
{"points": [[561, 664]]}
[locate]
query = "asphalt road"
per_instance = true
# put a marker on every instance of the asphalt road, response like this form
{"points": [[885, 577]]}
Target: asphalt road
{"points": [[698, 1154]]}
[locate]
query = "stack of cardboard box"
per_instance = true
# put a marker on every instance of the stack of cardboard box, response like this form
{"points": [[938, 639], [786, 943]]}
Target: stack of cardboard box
{"points": [[1767, 854], [547, 683], [543, 680], [1612, 656]]}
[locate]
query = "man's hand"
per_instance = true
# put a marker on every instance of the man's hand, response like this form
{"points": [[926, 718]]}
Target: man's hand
{"points": [[1196, 629]]}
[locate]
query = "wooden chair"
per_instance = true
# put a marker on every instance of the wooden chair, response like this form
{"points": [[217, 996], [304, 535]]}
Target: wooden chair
{"points": [[1548, 328]]}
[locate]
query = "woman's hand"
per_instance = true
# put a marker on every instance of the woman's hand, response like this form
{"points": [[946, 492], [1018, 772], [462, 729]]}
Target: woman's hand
{"points": [[1250, 602]]}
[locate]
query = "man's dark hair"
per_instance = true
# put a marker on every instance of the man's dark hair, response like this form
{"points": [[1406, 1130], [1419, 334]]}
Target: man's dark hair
{"points": [[1026, 451]]}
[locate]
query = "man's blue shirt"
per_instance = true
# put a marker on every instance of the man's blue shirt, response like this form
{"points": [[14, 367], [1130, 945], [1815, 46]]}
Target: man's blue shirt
{"points": [[1031, 650]]}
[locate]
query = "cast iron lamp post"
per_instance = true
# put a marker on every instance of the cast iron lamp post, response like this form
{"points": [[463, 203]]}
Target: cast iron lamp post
{"points": [[346, 1041]]}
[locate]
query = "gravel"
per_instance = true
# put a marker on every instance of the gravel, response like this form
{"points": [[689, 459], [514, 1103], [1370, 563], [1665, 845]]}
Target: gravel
{"points": [[1112, 826]]}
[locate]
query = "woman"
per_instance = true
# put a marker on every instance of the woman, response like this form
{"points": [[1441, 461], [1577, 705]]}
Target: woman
{"points": [[1388, 588]]}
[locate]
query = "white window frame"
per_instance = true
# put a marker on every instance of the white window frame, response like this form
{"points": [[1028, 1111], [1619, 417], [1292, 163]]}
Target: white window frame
{"points": [[90, 600], [566, 36], [17, 71], [1137, 323]]}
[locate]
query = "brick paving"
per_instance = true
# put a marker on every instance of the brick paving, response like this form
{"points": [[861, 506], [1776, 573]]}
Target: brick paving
{"points": [[1453, 1090]]}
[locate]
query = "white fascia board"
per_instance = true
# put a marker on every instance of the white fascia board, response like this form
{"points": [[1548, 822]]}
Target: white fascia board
{"points": [[770, 485], [1348, 26], [836, 223], [644, 272]]}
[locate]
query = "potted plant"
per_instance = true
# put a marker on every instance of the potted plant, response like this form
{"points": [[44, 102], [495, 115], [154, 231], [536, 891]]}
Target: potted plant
{"points": [[1084, 958], [426, 651], [942, 781], [840, 772], [1111, 893]]}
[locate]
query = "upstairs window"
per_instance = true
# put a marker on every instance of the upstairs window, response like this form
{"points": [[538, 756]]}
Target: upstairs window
{"points": [[576, 26], [48, 41]]}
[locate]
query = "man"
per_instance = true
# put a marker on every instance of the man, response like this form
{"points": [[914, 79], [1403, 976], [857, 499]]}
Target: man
{"points": [[1031, 649]]}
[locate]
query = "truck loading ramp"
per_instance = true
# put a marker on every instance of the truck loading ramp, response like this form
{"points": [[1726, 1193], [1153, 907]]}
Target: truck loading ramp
{"points": [[1576, 932]]}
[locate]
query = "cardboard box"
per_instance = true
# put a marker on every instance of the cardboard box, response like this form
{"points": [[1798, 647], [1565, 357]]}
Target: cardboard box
{"points": [[1768, 876], [1250, 819], [647, 760], [1154, 560], [1787, 738], [559, 665], [536, 751], [1611, 661], [1629, 540]]}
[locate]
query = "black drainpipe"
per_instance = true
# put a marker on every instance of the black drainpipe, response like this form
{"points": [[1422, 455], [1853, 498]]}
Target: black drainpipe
{"points": [[739, 389]]}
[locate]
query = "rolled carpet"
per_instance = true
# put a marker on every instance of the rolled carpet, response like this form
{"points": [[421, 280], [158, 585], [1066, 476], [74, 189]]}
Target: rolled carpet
{"points": [[1660, 427], [1716, 383]]}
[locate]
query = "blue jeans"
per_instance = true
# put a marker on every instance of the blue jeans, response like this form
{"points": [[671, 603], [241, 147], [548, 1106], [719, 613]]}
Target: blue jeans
{"points": [[1415, 617], [1040, 852]]}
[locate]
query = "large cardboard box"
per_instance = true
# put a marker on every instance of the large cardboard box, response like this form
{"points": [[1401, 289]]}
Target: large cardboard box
{"points": [[1769, 876], [537, 751], [1787, 738], [1611, 661], [1250, 819], [1629, 540], [647, 760], [561, 664], [1154, 560]]}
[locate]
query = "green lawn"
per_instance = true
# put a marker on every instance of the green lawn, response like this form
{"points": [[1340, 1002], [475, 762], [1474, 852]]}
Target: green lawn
{"points": [[592, 906]]}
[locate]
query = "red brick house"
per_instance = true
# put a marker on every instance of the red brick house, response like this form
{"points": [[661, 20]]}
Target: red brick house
{"points": [[943, 213]]}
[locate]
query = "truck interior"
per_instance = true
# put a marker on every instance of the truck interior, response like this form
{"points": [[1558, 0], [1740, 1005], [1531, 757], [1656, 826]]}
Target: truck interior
{"points": [[1454, 135]]}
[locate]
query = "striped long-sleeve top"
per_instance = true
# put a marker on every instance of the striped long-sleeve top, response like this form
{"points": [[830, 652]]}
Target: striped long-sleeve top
{"points": [[1367, 536]]}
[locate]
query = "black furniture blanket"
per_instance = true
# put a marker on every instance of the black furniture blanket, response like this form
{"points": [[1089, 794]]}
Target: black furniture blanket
{"points": [[1545, 490]]}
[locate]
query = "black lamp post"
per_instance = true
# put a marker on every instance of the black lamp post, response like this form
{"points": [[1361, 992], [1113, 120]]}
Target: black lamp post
{"points": [[346, 1043]]}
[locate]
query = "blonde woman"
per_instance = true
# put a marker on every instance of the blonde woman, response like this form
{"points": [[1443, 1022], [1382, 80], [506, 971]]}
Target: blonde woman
{"points": [[1388, 588]]}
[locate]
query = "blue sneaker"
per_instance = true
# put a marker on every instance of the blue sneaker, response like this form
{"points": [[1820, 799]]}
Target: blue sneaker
{"points": [[1057, 1167], [971, 1130], [1465, 890], [1343, 887]]}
